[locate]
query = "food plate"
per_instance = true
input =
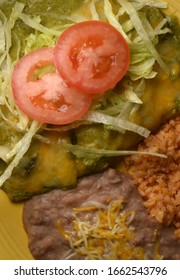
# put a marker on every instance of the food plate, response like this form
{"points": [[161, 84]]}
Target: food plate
{"points": [[14, 242]]}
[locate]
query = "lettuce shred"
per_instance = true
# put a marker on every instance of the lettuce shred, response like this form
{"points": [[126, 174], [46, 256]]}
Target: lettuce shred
{"points": [[116, 123], [143, 32], [89, 152]]}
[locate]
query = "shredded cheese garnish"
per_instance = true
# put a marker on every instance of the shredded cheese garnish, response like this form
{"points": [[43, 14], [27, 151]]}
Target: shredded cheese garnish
{"points": [[61, 230], [103, 233]]}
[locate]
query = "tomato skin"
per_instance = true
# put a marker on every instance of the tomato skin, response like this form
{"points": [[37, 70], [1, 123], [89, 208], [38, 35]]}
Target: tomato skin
{"points": [[92, 56], [47, 99]]}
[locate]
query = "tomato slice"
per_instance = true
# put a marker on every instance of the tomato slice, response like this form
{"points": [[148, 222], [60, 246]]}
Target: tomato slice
{"points": [[92, 56], [46, 99]]}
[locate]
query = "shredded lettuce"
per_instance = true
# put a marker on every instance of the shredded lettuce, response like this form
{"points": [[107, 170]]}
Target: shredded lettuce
{"points": [[38, 40], [143, 69], [116, 123], [132, 96], [4, 150], [139, 4], [13, 119], [74, 18], [113, 20], [139, 34], [34, 23], [2, 38], [120, 106], [140, 28], [21, 149], [93, 10], [134, 99], [9, 24], [82, 151], [122, 102]]}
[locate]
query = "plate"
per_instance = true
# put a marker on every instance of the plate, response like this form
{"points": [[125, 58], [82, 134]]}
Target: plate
{"points": [[13, 239]]}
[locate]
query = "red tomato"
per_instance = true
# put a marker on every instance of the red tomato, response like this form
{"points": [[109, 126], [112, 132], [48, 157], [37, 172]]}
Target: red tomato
{"points": [[46, 99], [92, 56]]}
